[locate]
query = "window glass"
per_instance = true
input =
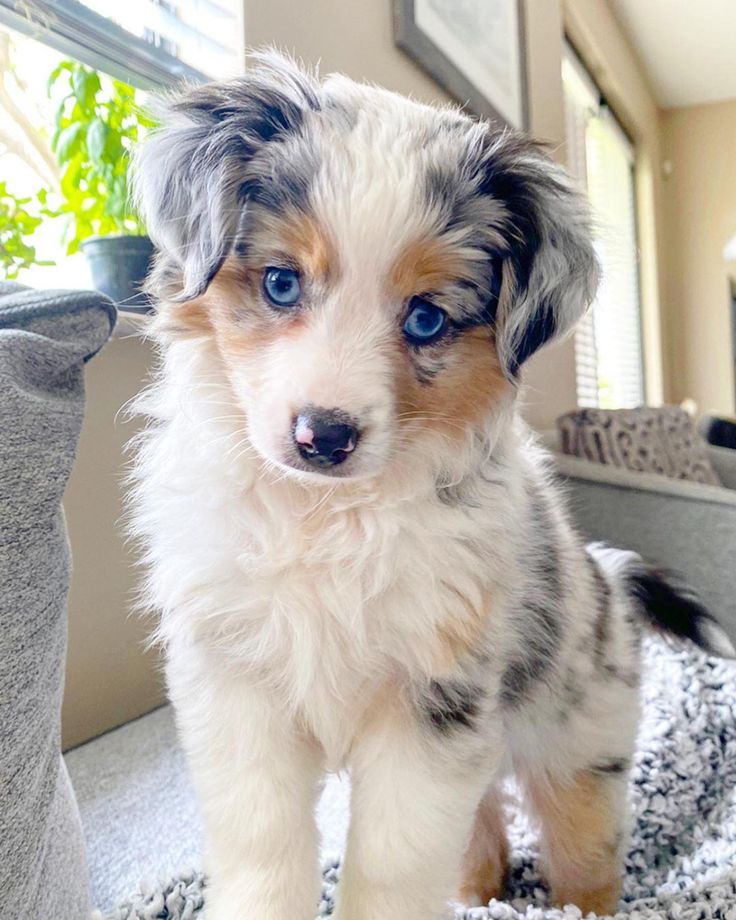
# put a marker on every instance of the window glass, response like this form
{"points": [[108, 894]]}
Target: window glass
{"points": [[205, 34]]}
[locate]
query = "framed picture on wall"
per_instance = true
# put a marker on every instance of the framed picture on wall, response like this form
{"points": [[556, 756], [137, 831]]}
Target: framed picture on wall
{"points": [[473, 48]]}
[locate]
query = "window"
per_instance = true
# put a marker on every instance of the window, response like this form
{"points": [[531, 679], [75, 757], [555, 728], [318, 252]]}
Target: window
{"points": [[608, 347], [148, 43], [46, 211]]}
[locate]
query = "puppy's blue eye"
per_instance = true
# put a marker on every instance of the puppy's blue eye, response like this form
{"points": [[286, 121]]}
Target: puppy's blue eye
{"points": [[282, 286], [425, 322]]}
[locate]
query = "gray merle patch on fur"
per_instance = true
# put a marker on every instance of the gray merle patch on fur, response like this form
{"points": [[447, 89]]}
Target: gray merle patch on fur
{"points": [[542, 637], [574, 695], [539, 614], [545, 554], [451, 705], [504, 195], [602, 623]]}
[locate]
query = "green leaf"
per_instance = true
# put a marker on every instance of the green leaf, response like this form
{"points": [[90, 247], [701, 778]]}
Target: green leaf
{"points": [[97, 140], [86, 84], [17, 226], [68, 142], [64, 66]]}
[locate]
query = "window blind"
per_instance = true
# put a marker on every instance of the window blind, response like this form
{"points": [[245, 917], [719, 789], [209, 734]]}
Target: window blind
{"points": [[608, 350]]}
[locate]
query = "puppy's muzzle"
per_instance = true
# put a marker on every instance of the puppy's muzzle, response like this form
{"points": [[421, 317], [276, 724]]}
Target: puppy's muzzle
{"points": [[325, 437]]}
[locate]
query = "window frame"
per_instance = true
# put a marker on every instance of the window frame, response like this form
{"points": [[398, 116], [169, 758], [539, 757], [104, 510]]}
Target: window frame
{"points": [[73, 29]]}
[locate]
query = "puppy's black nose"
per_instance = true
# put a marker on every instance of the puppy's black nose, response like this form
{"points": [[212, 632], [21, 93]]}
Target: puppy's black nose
{"points": [[325, 437]]}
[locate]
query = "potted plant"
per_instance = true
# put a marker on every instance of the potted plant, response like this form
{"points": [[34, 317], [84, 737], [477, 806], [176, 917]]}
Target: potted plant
{"points": [[98, 121], [17, 226]]}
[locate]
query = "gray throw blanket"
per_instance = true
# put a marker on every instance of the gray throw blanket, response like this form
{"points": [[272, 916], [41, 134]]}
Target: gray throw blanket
{"points": [[682, 860], [45, 339]]}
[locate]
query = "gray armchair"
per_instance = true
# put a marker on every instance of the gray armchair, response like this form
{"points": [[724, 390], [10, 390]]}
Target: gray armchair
{"points": [[683, 526]]}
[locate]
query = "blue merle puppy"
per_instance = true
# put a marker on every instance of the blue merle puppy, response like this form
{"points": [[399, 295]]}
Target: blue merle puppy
{"points": [[356, 551]]}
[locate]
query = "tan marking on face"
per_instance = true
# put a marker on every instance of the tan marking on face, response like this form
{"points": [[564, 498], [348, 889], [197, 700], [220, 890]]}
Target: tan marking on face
{"points": [[486, 862], [242, 325], [426, 265], [294, 238], [309, 244], [580, 825], [464, 390], [184, 320]]}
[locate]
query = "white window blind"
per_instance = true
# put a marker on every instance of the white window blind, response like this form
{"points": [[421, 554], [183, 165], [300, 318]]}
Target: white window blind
{"points": [[608, 350]]}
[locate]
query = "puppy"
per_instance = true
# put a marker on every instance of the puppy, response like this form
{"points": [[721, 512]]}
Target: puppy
{"points": [[356, 550]]}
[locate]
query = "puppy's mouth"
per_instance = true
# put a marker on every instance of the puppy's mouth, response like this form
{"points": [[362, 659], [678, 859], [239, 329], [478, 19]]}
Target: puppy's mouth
{"points": [[347, 469]]}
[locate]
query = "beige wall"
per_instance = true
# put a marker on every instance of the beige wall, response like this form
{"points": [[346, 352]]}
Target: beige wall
{"points": [[699, 143], [109, 679]]}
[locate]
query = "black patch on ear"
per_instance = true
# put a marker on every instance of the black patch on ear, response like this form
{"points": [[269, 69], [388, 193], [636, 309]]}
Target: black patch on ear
{"points": [[512, 171], [540, 330], [274, 192], [517, 190], [490, 311]]}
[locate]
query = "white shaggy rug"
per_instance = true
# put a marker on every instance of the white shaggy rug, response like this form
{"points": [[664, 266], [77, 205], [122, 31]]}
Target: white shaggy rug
{"points": [[682, 860]]}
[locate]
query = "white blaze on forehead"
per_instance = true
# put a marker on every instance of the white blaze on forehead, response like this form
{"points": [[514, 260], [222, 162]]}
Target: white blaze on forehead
{"points": [[369, 191]]}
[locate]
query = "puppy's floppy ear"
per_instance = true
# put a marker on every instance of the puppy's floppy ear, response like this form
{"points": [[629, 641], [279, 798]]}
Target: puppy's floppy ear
{"points": [[548, 268], [191, 175]]}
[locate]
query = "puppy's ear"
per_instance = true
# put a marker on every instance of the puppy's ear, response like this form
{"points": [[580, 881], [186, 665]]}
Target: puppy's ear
{"points": [[191, 175], [547, 272]]}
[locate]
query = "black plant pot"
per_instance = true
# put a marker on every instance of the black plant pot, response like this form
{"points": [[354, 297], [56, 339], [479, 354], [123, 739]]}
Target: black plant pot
{"points": [[119, 265]]}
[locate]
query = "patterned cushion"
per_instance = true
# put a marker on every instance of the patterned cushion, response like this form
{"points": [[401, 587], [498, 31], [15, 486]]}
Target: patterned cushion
{"points": [[643, 440]]}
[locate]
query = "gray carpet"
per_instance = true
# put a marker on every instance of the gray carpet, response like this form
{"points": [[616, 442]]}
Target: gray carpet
{"points": [[140, 817]]}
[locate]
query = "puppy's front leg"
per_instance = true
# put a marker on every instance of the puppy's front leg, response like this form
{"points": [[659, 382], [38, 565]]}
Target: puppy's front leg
{"points": [[416, 786], [257, 779]]}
